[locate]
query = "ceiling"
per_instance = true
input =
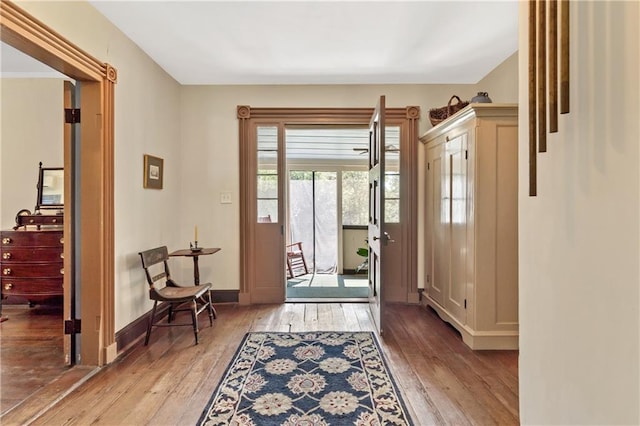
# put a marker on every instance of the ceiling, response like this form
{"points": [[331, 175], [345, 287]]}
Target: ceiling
{"points": [[318, 42]]}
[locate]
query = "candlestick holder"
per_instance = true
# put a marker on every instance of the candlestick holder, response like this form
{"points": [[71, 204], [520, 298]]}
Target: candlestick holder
{"points": [[194, 247]]}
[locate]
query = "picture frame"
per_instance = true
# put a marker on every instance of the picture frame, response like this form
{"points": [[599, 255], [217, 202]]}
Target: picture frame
{"points": [[153, 172]]}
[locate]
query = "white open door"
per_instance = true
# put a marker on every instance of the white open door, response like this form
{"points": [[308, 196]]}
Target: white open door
{"points": [[378, 238]]}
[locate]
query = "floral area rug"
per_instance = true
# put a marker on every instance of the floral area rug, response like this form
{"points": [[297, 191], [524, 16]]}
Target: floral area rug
{"points": [[313, 378]]}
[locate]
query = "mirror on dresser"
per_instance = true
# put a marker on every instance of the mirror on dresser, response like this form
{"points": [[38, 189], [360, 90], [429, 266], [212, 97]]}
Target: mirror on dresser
{"points": [[50, 188], [49, 200]]}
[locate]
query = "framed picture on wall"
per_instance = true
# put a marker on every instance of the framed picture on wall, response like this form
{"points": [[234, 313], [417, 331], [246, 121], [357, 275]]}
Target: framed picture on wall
{"points": [[153, 171]]}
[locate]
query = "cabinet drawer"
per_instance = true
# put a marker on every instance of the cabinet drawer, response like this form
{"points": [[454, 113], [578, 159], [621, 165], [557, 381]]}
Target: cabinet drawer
{"points": [[31, 239], [32, 270], [31, 287], [28, 254]]}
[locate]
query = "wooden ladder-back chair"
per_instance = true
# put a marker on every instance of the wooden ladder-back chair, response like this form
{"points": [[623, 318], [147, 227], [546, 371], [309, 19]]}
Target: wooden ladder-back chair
{"points": [[296, 263], [179, 298]]}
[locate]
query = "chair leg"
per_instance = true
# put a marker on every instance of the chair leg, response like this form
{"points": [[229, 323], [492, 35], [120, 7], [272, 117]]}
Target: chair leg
{"points": [[289, 268], [194, 318], [212, 312], [170, 318], [150, 324]]}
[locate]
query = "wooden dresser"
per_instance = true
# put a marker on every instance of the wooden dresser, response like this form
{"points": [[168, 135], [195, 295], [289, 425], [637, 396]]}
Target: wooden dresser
{"points": [[32, 263]]}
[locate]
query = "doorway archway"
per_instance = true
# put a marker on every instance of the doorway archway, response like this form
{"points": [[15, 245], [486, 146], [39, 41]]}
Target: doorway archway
{"points": [[95, 177]]}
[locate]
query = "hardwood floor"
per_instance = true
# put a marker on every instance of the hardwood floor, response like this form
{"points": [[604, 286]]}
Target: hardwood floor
{"points": [[170, 381], [31, 352]]}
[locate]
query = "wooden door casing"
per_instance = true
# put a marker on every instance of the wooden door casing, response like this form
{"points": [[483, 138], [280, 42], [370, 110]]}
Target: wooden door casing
{"points": [[404, 287]]}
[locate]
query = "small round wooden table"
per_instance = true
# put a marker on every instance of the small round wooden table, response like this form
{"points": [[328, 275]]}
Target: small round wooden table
{"points": [[195, 255]]}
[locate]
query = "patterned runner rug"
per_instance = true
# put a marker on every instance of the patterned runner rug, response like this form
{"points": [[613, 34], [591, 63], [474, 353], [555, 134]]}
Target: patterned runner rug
{"points": [[313, 378]]}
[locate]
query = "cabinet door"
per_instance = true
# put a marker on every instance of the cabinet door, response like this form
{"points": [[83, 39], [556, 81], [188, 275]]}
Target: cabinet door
{"points": [[456, 176], [438, 216]]}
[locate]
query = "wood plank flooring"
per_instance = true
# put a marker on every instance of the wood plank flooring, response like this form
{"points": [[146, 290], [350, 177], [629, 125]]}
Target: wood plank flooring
{"points": [[31, 353], [170, 381]]}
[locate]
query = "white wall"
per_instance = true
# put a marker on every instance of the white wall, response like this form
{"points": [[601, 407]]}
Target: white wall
{"points": [[31, 131], [579, 238], [147, 121]]}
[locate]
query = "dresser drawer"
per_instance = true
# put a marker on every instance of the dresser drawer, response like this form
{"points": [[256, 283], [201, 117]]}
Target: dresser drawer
{"points": [[31, 270], [28, 254], [31, 239], [31, 287]]}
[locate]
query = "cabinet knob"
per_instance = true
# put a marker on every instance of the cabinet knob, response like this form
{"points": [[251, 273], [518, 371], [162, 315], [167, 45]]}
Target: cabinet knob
{"points": [[6, 271], [8, 286], [62, 240], [31, 220], [6, 256], [6, 240], [61, 271], [61, 255], [54, 220]]}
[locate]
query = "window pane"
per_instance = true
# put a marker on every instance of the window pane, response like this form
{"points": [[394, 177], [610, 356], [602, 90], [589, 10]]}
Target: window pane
{"points": [[355, 197], [267, 209], [267, 174], [268, 186], [392, 148], [391, 185], [392, 174], [391, 211]]}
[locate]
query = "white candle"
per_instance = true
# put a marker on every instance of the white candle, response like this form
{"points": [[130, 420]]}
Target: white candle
{"points": [[196, 233]]}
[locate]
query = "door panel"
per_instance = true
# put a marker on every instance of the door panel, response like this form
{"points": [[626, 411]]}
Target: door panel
{"points": [[377, 236], [456, 165], [438, 216]]}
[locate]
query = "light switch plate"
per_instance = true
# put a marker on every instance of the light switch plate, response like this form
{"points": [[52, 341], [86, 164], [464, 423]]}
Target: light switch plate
{"points": [[225, 198]]}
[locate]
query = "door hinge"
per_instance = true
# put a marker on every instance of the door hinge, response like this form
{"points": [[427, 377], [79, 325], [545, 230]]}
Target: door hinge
{"points": [[465, 303], [428, 278], [72, 115], [466, 154], [72, 326], [428, 166]]}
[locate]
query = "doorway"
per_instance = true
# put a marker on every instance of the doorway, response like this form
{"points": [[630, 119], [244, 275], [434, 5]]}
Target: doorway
{"points": [[95, 214], [264, 175], [330, 267], [325, 163]]}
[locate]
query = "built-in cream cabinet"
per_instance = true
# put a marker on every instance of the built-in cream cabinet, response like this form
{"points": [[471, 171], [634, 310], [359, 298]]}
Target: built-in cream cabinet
{"points": [[471, 224]]}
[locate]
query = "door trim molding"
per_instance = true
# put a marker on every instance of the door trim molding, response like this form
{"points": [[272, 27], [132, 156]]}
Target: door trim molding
{"points": [[31, 36], [406, 117]]}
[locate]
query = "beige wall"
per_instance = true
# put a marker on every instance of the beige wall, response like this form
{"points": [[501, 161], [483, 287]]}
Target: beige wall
{"points": [[31, 131], [579, 238]]}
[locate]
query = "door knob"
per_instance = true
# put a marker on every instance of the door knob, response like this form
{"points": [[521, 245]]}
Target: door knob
{"points": [[386, 240]]}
